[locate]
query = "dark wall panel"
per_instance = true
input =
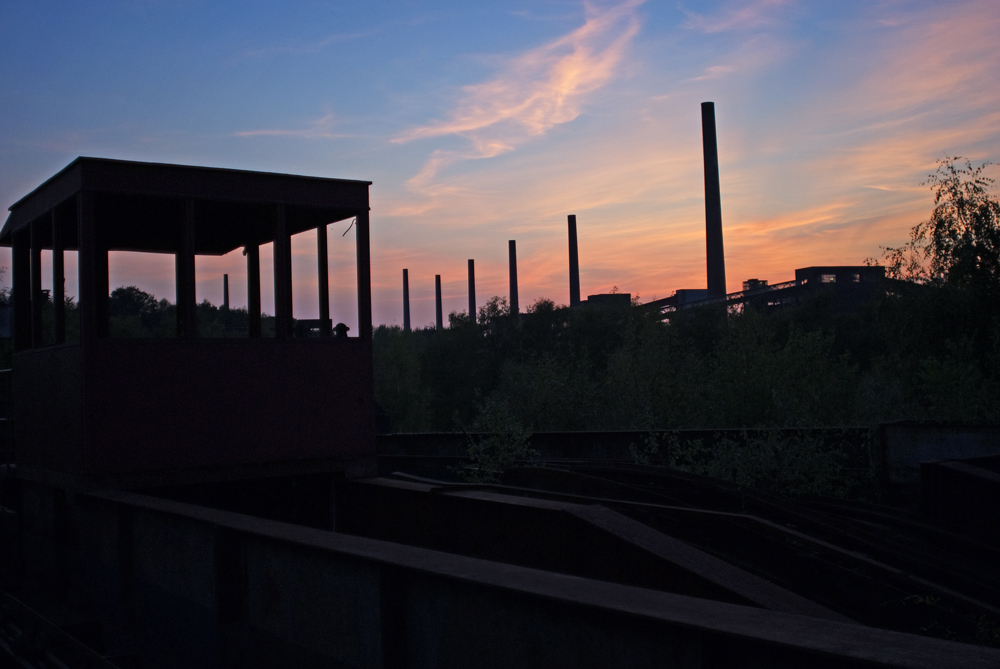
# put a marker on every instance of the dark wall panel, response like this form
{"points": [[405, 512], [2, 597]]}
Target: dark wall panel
{"points": [[163, 405]]}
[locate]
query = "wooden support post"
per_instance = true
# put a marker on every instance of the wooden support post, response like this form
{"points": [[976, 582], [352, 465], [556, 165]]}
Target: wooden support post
{"points": [[253, 289], [21, 258], [58, 278], [92, 261], [103, 295], [282, 275], [37, 297], [364, 277], [187, 325], [323, 276]]}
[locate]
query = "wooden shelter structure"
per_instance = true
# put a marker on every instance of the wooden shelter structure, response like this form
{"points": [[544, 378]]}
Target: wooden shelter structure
{"points": [[155, 410]]}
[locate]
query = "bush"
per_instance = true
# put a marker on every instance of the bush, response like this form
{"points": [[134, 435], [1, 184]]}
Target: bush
{"points": [[505, 442], [774, 461]]}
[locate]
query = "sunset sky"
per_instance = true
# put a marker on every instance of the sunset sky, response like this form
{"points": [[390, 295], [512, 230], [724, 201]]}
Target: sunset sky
{"points": [[480, 122]]}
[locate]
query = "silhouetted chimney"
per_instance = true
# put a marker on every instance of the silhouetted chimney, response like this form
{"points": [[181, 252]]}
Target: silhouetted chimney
{"points": [[437, 301], [406, 300], [715, 255], [513, 277], [225, 292], [574, 264], [472, 290]]}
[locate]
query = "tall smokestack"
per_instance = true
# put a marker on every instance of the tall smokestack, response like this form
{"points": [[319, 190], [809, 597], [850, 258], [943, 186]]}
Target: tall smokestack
{"points": [[472, 290], [513, 277], [715, 255], [225, 292], [406, 300], [437, 301], [574, 264]]}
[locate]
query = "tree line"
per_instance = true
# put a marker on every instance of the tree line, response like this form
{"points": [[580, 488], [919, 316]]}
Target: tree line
{"points": [[135, 314], [925, 347]]}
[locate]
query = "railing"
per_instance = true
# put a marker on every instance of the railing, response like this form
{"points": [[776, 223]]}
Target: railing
{"points": [[390, 604]]}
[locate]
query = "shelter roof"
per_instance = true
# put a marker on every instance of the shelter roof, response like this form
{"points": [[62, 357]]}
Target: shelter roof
{"points": [[140, 206]]}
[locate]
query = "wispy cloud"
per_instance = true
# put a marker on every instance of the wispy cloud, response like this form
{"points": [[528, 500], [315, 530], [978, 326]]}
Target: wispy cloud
{"points": [[714, 72], [736, 16], [308, 47], [319, 129], [951, 57], [532, 16], [534, 92]]}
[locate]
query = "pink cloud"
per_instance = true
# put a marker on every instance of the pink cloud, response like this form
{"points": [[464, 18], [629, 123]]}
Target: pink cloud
{"points": [[321, 128], [535, 91], [736, 16]]}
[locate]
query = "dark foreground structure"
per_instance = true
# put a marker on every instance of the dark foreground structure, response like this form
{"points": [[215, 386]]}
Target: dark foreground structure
{"points": [[191, 502], [100, 408]]}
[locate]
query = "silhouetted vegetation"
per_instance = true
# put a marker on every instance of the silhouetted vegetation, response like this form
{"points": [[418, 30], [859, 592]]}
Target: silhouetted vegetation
{"points": [[927, 346], [503, 442], [960, 243], [137, 314]]}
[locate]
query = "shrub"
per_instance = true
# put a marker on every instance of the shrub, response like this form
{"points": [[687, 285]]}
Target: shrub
{"points": [[505, 442]]}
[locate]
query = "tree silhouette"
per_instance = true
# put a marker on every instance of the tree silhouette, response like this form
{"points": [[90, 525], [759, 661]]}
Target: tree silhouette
{"points": [[960, 243], [132, 301]]}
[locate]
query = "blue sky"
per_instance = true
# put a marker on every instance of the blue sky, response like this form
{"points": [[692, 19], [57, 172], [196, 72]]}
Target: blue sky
{"points": [[483, 122]]}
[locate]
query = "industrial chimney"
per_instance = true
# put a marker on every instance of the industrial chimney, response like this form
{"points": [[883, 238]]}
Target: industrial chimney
{"points": [[437, 302], [472, 290], [513, 277], [225, 292], [574, 264], [715, 255], [406, 300]]}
